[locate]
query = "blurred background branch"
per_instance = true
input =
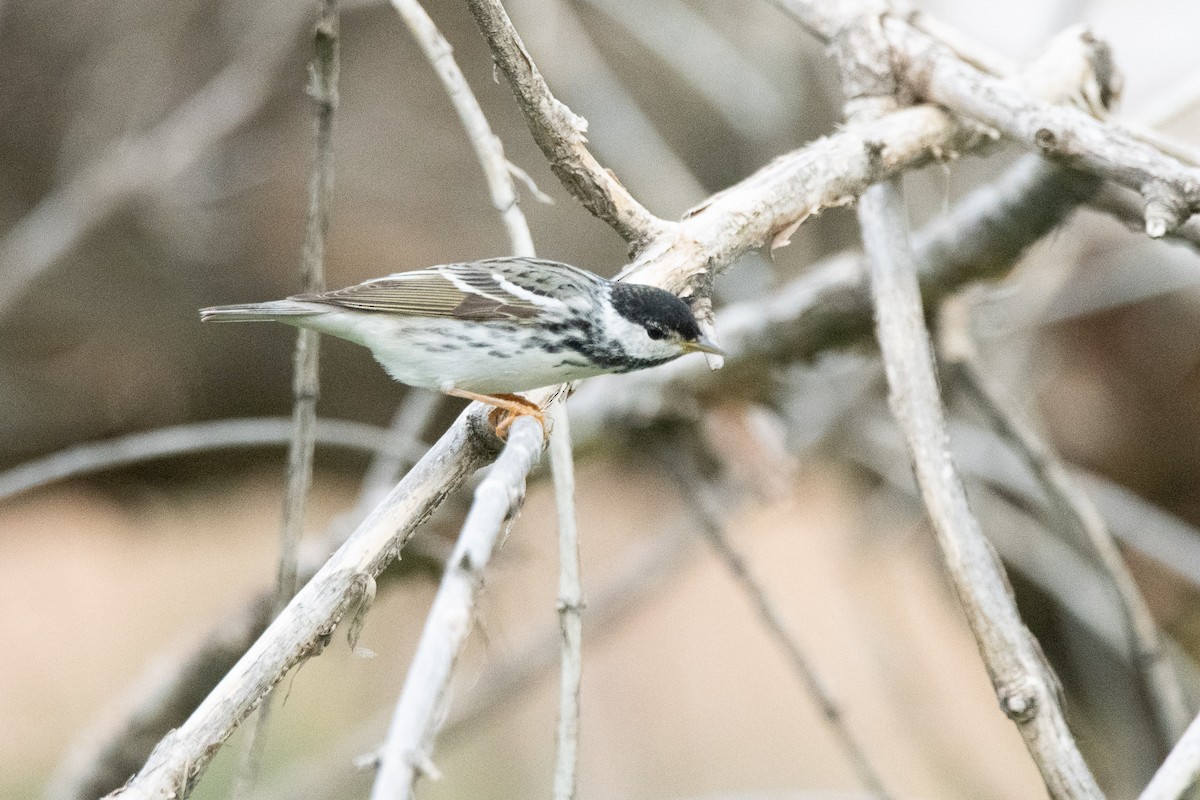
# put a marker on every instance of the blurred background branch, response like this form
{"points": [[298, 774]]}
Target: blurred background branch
{"points": [[1089, 329]]}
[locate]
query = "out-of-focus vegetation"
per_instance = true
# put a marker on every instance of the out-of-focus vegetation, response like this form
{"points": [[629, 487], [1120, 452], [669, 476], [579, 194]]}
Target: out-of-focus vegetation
{"points": [[1096, 334]]}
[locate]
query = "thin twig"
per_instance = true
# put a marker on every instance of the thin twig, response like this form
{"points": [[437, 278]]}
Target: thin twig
{"points": [[407, 752], [168, 691], [196, 437], [560, 132], [323, 89], [487, 145], [642, 574], [1026, 687], [705, 507], [1179, 771], [570, 604], [1158, 677]]}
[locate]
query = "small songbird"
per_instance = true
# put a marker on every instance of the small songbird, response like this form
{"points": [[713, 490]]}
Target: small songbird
{"points": [[486, 329]]}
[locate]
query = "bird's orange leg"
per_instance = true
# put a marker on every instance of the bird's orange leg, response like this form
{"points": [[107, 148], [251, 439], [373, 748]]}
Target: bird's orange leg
{"points": [[515, 405]]}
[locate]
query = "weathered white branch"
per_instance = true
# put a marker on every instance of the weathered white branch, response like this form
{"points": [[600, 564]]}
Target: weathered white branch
{"points": [[1026, 687], [407, 753], [560, 132], [304, 627], [486, 144], [1073, 505], [1179, 771], [570, 603], [196, 437]]}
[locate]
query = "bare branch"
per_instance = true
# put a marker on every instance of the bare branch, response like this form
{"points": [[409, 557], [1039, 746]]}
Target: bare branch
{"points": [[643, 573], [1170, 188], [323, 89], [570, 604], [487, 145], [1179, 771], [304, 627], [167, 692], [830, 306], [1159, 680], [407, 753], [560, 132], [706, 509], [1026, 687], [197, 437]]}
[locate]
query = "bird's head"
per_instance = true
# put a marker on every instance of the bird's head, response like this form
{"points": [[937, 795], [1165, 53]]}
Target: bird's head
{"points": [[654, 325]]}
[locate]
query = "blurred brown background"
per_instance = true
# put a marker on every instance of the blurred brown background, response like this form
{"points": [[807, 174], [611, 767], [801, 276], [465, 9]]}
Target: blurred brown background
{"points": [[1096, 337]]}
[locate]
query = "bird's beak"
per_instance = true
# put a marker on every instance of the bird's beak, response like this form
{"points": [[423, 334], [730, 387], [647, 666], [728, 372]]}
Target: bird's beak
{"points": [[703, 345]]}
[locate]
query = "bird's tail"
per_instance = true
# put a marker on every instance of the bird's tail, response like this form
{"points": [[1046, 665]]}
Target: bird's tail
{"points": [[255, 312]]}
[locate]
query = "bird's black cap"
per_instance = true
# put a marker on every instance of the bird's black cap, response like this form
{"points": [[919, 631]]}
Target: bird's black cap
{"points": [[656, 310]]}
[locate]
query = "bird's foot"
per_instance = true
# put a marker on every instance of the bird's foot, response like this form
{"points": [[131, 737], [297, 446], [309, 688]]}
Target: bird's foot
{"points": [[506, 409]]}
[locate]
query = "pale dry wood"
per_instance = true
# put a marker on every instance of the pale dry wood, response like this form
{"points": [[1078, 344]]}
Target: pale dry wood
{"points": [[1179, 771], [570, 605], [829, 307], [1080, 514], [1026, 687], [305, 626], [408, 751], [560, 133], [323, 90], [168, 690], [644, 572], [488, 148]]}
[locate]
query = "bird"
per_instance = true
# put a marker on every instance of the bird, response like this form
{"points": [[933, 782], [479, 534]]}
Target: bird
{"points": [[485, 330]]}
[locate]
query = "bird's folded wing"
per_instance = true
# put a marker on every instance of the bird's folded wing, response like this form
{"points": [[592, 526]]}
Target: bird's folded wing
{"points": [[446, 292]]}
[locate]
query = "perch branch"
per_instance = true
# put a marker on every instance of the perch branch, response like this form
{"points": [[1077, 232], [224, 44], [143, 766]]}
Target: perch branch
{"points": [[166, 693], [1026, 687], [305, 626], [642, 574], [407, 752]]}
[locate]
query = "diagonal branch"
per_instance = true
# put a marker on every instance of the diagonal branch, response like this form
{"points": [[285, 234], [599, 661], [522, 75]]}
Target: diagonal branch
{"points": [[305, 626], [486, 144], [1159, 680], [407, 752], [1028, 690], [559, 132]]}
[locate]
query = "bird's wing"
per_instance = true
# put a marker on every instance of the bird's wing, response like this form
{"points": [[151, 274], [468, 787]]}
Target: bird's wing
{"points": [[497, 289]]}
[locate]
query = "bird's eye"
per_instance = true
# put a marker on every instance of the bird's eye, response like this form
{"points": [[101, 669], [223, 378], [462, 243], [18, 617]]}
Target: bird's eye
{"points": [[656, 332]]}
